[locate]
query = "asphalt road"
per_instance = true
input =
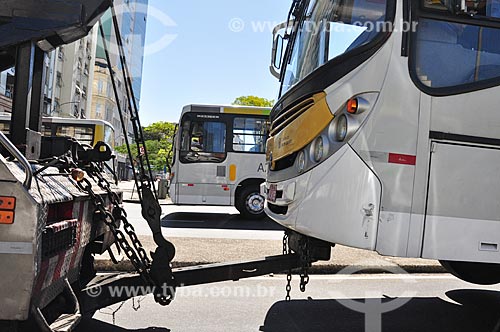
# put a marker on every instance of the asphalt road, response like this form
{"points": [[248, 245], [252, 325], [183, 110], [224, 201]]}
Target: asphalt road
{"points": [[429, 303], [206, 222]]}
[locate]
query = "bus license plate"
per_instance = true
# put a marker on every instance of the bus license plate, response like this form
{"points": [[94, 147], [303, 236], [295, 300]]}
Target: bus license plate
{"points": [[271, 193]]}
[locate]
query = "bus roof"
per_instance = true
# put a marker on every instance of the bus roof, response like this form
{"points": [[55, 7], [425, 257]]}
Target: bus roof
{"points": [[75, 121], [6, 116], [227, 109]]}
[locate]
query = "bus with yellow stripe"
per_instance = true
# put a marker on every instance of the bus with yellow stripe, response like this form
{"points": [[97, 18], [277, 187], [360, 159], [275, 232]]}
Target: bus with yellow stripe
{"points": [[386, 132], [86, 131], [220, 158]]}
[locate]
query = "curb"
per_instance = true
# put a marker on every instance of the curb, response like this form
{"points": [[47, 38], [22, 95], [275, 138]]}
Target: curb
{"points": [[136, 201]]}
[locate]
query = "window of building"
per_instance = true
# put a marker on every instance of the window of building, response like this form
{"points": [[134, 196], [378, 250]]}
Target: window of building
{"points": [[98, 110], [250, 135], [109, 114], [59, 79], [60, 55], [100, 86], [109, 90]]}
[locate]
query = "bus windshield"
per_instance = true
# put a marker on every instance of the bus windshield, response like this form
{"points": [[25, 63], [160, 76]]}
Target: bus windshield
{"points": [[329, 29], [203, 141]]}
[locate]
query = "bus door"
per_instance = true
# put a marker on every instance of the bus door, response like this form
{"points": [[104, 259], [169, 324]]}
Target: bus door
{"points": [[457, 65], [202, 174]]}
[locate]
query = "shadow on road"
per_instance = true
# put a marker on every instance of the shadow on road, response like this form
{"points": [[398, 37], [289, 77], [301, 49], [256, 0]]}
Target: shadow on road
{"points": [[89, 324], [475, 311], [217, 221]]}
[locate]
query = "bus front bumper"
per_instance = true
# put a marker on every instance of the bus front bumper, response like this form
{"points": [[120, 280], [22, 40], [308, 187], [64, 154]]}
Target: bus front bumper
{"points": [[337, 201]]}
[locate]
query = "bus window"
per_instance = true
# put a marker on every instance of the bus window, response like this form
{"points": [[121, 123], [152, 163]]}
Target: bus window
{"points": [[5, 127], [46, 130], [84, 135], [109, 137], [203, 141], [249, 135], [442, 47]]}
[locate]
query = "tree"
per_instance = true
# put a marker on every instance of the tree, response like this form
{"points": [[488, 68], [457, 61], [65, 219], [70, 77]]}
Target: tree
{"points": [[158, 138], [253, 101]]}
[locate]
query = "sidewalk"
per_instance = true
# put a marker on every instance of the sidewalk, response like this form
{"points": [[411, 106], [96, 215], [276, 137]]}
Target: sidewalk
{"points": [[130, 192], [191, 251], [197, 251]]}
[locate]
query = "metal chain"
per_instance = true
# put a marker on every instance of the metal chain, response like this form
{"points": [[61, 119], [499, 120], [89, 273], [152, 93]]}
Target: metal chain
{"points": [[121, 215], [286, 250], [110, 221], [305, 259]]}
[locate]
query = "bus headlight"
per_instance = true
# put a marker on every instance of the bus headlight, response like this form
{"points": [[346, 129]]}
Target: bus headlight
{"points": [[301, 161], [318, 150], [341, 128]]}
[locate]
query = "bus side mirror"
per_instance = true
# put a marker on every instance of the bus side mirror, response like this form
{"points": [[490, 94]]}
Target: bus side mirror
{"points": [[279, 37]]}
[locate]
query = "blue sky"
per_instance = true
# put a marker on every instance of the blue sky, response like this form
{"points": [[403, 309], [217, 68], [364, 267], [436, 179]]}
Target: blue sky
{"points": [[207, 62]]}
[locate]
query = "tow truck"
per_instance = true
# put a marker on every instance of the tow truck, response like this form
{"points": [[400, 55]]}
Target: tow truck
{"points": [[58, 208]]}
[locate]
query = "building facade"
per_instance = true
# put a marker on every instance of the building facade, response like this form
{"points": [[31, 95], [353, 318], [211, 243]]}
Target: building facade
{"points": [[78, 83], [131, 17]]}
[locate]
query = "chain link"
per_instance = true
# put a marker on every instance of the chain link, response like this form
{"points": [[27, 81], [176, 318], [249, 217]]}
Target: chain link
{"points": [[140, 264], [121, 215], [286, 250], [305, 259]]}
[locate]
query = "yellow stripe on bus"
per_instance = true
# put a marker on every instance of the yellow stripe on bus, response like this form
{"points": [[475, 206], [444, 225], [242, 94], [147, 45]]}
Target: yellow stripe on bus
{"points": [[246, 111], [98, 133], [302, 131]]}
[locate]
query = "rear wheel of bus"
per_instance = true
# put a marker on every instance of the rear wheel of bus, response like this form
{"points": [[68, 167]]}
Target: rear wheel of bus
{"points": [[250, 203]]}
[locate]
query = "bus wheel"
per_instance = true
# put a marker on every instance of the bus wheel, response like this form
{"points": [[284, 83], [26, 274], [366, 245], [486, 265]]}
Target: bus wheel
{"points": [[476, 273], [250, 203]]}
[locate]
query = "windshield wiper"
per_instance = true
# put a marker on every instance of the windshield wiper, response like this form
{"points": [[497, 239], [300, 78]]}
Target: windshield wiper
{"points": [[298, 12]]}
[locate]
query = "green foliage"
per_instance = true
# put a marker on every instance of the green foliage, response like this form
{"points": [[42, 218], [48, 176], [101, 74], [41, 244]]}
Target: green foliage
{"points": [[253, 101], [159, 138]]}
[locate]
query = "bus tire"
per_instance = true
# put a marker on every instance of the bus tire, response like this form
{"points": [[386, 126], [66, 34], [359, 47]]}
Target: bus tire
{"points": [[476, 273], [250, 203]]}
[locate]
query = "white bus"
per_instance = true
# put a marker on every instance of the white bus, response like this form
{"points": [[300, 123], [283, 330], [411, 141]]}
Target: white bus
{"points": [[386, 135], [86, 131], [219, 157]]}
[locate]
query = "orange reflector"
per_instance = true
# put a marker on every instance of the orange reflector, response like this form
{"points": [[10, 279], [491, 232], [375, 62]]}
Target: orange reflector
{"points": [[6, 217], [77, 174], [232, 172], [7, 203], [352, 106]]}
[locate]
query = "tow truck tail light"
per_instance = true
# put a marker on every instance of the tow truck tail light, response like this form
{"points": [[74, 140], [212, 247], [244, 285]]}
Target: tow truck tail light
{"points": [[6, 217], [77, 174], [7, 203], [7, 207]]}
